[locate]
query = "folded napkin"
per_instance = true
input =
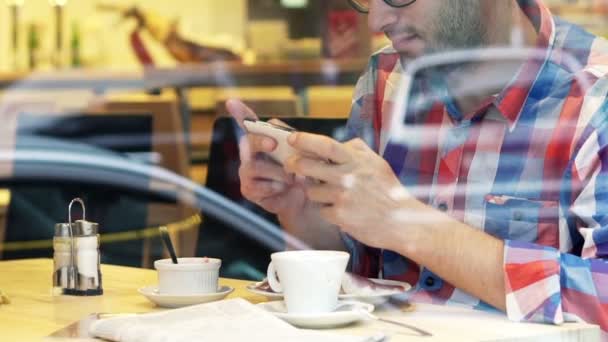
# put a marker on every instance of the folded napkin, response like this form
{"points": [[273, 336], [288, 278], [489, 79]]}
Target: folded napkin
{"points": [[227, 320], [361, 286], [3, 298]]}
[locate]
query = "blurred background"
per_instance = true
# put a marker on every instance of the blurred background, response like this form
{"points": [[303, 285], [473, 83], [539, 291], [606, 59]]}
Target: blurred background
{"points": [[260, 30], [147, 81]]}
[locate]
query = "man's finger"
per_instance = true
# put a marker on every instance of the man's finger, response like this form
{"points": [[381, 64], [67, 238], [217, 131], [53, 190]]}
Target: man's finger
{"points": [[262, 189], [279, 123], [319, 145], [358, 144], [251, 144], [323, 193], [245, 150], [239, 111], [314, 168], [262, 169]]}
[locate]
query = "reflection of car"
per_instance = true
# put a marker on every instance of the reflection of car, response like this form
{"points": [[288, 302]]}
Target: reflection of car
{"points": [[119, 202], [82, 168], [430, 67], [39, 198], [139, 129], [422, 86], [58, 167]]}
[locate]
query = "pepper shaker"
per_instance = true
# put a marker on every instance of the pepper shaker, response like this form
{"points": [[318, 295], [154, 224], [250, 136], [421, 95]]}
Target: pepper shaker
{"points": [[76, 256]]}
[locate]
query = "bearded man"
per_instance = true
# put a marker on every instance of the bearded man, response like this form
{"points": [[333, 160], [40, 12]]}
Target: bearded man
{"points": [[499, 199]]}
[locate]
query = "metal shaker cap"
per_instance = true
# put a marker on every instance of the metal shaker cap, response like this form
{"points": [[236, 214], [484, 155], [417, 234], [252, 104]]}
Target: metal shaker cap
{"points": [[62, 230], [85, 228], [81, 227]]}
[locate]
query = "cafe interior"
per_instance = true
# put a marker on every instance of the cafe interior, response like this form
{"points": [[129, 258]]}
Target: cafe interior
{"points": [[114, 114]]}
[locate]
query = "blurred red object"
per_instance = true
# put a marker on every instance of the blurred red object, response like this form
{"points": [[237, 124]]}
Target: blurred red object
{"points": [[140, 50]]}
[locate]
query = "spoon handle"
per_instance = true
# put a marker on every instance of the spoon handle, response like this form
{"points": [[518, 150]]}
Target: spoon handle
{"points": [[407, 326], [164, 234], [401, 324]]}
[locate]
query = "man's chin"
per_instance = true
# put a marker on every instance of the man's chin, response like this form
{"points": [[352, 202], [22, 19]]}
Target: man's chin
{"points": [[410, 54], [407, 56], [409, 48]]}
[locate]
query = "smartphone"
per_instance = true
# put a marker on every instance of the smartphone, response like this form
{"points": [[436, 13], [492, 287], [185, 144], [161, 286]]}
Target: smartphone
{"points": [[278, 133]]}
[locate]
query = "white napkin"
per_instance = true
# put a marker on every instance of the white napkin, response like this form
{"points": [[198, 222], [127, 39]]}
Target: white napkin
{"points": [[227, 320]]}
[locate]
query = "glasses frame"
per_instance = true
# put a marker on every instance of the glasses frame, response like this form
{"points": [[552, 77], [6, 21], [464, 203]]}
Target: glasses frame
{"points": [[355, 4]]}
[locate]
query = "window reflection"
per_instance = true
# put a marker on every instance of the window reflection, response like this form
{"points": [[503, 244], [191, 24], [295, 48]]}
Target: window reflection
{"points": [[147, 83]]}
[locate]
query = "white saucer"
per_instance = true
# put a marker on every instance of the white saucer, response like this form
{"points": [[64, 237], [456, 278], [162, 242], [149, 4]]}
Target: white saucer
{"points": [[176, 301], [268, 294], [349, 312], [375, 297]]}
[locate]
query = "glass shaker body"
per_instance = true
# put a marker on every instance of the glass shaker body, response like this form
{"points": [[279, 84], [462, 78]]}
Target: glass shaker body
{"points": [[76, 259], [86, 249], [62, 259]]}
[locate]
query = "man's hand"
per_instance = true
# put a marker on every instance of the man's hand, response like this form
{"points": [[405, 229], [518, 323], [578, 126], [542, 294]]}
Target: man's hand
{"points": [[263, 181], [363, 197], [357, 188], [267, 184]]}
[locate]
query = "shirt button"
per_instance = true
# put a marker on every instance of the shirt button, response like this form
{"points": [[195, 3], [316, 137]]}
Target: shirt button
{"points": [[429, 281], [518, 215], [442, 206]]}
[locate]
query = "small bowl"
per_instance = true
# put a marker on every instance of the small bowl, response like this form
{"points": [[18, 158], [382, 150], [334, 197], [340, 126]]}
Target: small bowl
{"points": [[189, 276]]}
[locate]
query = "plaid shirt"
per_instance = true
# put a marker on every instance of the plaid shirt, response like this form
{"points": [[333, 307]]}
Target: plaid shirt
{"points": [[530, 167]]}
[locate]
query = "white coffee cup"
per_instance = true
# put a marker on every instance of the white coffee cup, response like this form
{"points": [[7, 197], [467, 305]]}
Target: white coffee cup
{"points": [[189, 276], [310, 280]]}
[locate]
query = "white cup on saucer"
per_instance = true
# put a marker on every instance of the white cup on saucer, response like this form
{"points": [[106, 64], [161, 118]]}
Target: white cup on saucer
{"points": [[310, 280], [189, 276]]}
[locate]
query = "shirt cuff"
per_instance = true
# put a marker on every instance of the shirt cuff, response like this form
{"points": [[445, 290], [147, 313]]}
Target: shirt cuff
{"points": [[532, 283]]}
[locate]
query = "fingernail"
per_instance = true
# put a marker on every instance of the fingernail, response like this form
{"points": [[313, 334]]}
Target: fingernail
{"points": [[291, 138]]}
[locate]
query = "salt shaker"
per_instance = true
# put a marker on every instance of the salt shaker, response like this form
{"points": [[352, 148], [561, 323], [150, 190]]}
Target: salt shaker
{"points": [[76, 256]]}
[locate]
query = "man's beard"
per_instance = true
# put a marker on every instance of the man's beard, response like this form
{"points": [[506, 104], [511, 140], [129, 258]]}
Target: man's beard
{"points": [[458, 25]]}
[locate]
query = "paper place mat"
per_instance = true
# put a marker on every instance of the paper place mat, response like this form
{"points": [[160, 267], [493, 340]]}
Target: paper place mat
{"points": [[226, 320]]}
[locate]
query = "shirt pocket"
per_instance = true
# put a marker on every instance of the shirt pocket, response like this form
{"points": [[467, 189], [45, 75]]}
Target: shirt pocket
{"points": [[522, 219]]}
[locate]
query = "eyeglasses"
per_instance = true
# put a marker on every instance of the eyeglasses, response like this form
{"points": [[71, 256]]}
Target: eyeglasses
{"points": [[363, 5]]}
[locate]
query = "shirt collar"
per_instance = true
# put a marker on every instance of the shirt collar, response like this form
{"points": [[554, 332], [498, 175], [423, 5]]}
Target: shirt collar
{"points": [[511, 99]]}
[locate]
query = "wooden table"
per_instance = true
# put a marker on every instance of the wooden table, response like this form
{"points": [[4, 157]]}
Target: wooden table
{"points": [[5, 201], [34, 313]]}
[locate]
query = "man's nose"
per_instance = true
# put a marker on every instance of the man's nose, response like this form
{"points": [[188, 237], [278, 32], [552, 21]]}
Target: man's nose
{"points": [[381, 16]]}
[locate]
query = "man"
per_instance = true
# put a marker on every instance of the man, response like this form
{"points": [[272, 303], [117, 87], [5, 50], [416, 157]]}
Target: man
{"points": [[502, 201]]}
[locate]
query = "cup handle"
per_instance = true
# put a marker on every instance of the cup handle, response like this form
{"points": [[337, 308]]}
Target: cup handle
{"points": [[273, 281]]}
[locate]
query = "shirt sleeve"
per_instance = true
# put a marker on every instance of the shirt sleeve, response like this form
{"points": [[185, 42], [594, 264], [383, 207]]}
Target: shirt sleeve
{"points": [[545, 284]]}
